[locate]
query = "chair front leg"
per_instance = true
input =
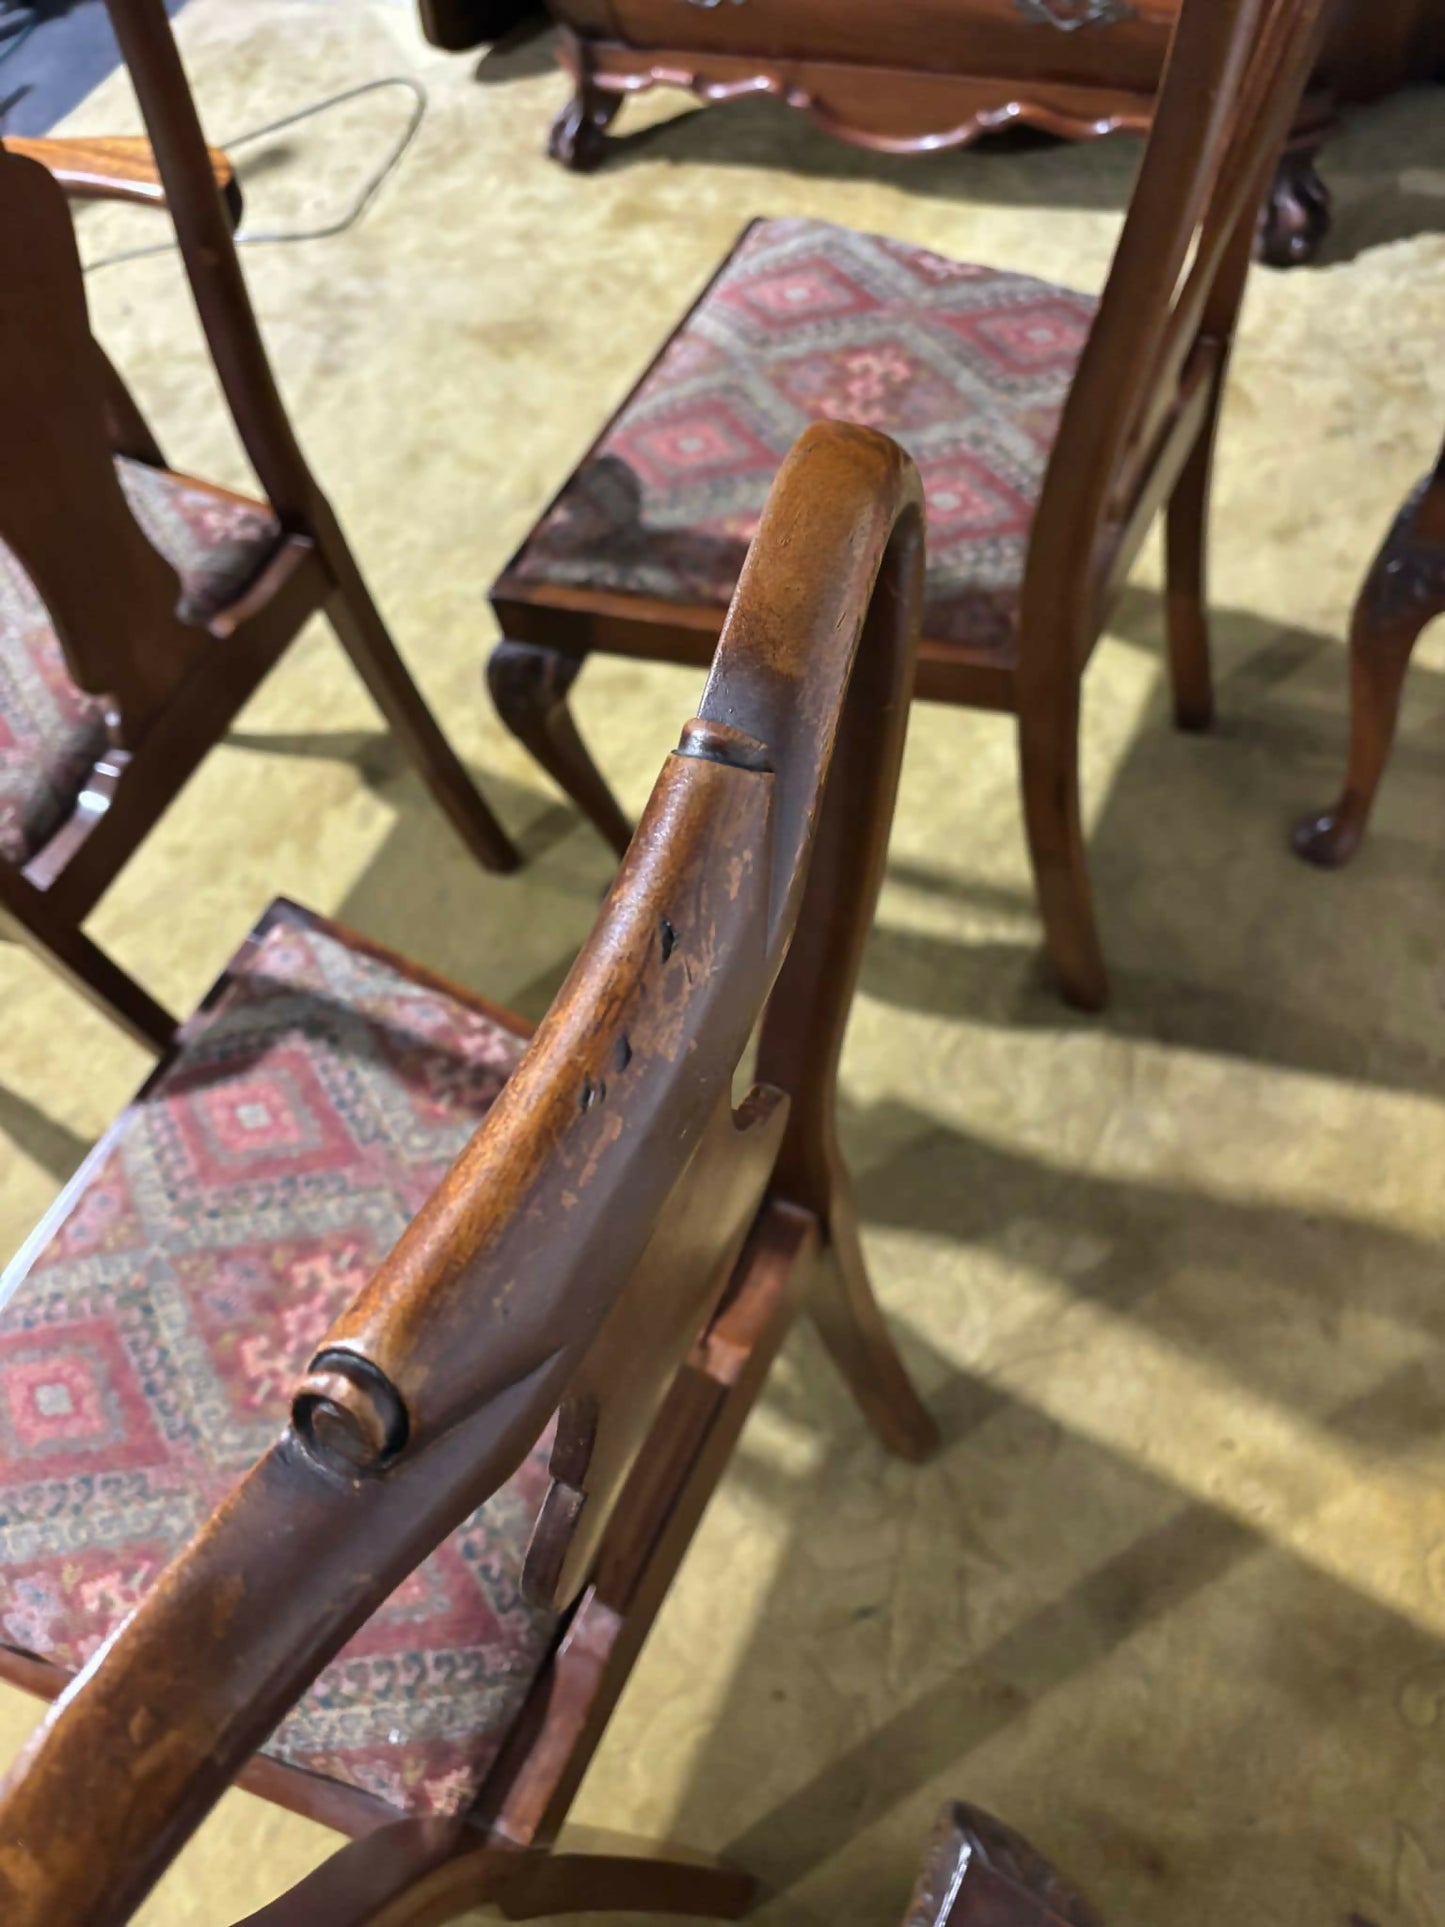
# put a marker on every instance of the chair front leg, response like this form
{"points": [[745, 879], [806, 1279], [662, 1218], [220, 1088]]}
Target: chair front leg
{"points": [[1053, 817], [367, 641], [852, 1327], [29, 918], [530, 685], [1404, 590], [1186, 537]]}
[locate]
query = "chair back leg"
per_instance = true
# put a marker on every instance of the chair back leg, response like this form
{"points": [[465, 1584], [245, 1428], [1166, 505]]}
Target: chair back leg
{"points": [[30, 919], [366, 639], [1053, 818], [530, 685]]}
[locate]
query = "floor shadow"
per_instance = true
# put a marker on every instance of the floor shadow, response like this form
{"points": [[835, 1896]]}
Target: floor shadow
{"points": [[512, 939], [387, 772], [1015, 168], [1218, 938], [1273, 1298], [1041, 1684], [528, 50], [54, 1146], [1386, 174]]}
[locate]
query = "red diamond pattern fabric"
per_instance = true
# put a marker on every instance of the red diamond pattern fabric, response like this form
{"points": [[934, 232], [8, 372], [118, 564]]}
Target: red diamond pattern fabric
{"points": [[967, 367], [150, 1336], [50, 731]]}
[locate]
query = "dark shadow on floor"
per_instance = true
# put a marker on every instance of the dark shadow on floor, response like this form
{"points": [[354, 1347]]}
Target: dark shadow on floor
{"points": [[1218, 938], [1380, 168], [54, 1146], [1038, 1678], [1303, 1307]]}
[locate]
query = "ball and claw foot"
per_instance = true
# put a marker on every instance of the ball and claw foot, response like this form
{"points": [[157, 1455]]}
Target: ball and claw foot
{"points": [[579, 134], [1296, 217]]}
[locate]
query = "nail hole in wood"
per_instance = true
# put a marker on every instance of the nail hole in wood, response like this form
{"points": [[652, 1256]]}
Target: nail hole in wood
{"points": [[622, 1053], [669, 939]]}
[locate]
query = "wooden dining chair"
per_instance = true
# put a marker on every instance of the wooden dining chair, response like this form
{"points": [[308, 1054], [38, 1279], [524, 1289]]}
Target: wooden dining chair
{"points": [[1403, 591], [507, 1368], [979, 1873], [1050, 430], [139, 608]]}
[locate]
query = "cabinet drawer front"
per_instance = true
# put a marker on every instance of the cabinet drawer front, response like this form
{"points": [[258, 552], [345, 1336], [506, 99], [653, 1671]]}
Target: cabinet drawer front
{"points": [[1118, 43]]}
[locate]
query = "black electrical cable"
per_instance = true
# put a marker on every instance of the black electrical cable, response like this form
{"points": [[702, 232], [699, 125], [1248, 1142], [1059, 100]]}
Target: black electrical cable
{"points": [[370, 189]]}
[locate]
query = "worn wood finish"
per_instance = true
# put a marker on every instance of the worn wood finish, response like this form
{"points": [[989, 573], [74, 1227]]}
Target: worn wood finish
{"points": [[172, 684], [1403, 591], [1136, 439], [119, 167], [919, 75], [746, 897], [979, 1873]]}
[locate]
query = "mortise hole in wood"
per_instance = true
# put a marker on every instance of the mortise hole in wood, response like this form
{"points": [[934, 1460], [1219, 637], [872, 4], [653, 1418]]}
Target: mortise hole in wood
{"points": [[669, 939]]}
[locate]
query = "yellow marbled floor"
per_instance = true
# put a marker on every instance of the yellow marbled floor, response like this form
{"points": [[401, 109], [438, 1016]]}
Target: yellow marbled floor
{"points": [[1173, 1597]]}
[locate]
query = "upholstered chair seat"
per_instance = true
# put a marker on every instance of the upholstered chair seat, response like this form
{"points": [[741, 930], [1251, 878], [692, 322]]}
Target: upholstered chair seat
{"points": [[51, 733], [967, 367], [151, 1331]]}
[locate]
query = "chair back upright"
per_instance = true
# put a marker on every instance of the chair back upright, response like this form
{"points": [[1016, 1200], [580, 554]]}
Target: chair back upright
{"points": [[213, 268], [1150, 375], [110, 596], [574, 1252], [66, 411]]}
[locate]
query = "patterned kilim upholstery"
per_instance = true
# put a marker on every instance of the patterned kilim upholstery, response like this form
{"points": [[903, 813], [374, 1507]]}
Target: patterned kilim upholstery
{"points": [[50, 731], [966, 367], [156, 1324]]}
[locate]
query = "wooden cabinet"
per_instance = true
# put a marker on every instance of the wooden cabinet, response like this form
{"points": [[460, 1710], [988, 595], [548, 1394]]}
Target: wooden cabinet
{"points": [[996, 37], [906, 76]]}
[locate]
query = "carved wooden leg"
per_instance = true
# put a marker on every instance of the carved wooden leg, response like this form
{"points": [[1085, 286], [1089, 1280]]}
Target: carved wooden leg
{"points": [[365, 637], [579, 134], [1297, 215], [1404, 590], [1049, 766], [530, 686], [1186, 527], [857, 1337]]}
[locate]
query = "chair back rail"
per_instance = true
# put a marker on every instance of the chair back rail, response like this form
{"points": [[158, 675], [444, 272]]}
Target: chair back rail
{"points": [[1233, 79], [429, 1390]]}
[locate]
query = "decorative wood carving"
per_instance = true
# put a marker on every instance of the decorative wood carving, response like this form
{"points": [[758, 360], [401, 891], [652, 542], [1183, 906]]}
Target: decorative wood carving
{"points": [[890, 111], [1403, 591]]}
